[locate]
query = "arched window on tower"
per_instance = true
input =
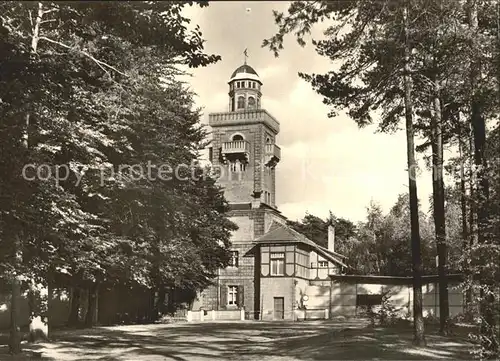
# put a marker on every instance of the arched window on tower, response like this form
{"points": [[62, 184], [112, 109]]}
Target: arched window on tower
{"points": [[241, 102], [251, 102], [237, 137]]}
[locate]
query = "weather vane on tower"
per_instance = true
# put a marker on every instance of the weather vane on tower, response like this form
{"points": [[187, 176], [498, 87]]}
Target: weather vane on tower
{"points": [[245, 52]]}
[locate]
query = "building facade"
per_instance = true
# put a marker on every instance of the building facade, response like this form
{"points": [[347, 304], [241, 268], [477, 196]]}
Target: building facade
{"points": [[271, 264]]}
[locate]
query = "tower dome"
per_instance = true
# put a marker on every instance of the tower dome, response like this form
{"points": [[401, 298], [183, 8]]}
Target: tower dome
{"points": [[245, 71], [244, 89]]}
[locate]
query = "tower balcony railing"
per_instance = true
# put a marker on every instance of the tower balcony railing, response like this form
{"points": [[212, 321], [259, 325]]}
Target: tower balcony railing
{"points": [[273, 153], [246, 116], [236, 146], [239, 149]]}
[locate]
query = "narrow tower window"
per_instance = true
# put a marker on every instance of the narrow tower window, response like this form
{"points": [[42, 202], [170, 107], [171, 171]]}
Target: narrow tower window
{"points": [[241, 102], [251, 102]]}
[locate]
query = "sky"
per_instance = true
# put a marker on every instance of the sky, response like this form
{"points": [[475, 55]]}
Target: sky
{"points": [[328, 164]]}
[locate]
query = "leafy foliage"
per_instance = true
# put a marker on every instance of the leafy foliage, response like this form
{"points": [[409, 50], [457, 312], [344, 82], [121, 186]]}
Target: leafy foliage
{"points": [[378, 246], [90, 90], [453, 72]]}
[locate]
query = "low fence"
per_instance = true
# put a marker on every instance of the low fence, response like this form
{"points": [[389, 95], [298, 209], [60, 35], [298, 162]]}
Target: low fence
{"points": [[241, 315], [312, 314], [214, 315]]}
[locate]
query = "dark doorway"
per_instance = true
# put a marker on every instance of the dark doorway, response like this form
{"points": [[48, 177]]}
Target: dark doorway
{"points": [[279, 308]]}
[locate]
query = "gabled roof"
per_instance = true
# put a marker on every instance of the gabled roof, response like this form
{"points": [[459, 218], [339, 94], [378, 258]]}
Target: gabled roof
{"points": [[332, 252], [281, 233]]}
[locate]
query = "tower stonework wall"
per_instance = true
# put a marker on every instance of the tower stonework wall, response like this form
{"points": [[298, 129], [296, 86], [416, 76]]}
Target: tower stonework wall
{"points": [[242, 150]]}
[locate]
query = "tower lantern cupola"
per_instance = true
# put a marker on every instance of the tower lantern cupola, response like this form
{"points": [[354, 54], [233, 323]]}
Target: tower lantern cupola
{"points": [[244, 89]]}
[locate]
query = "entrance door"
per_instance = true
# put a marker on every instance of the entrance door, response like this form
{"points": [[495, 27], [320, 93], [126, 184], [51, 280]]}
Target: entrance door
{"points": [[279, 308]]}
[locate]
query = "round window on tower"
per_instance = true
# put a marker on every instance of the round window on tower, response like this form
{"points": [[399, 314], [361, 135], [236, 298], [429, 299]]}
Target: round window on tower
{"points": [[251, 102], [241, 102]]}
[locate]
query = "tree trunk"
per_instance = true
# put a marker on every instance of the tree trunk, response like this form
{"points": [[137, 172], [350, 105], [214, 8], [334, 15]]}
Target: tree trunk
{"points": [[465, 228], [15, 334], [91, 305], [487, 302], [418, 320], [73, 318], [159, 307], [38, 328], [50, 292], [472, 195], [438, 205]]}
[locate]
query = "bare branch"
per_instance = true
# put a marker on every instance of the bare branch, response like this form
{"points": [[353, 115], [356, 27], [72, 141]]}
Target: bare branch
{"points": [[47, 21], [50, 10], [31, 19], [100, 63]]}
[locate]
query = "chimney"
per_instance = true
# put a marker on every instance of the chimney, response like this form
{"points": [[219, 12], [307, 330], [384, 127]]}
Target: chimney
{"points": [[331, 238]]}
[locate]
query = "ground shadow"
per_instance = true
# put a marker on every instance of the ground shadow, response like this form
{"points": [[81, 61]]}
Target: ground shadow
{"points": [[251, 340]]}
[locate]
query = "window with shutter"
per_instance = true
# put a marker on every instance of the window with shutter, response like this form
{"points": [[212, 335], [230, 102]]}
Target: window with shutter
{"points": [[233, 262], [241, 297], [223, 296], [277, 264], [232, 295]]}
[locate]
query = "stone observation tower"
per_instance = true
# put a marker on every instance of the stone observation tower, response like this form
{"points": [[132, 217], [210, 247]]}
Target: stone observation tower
{"points": [[244, 148], [271, 264], [244, 142]]}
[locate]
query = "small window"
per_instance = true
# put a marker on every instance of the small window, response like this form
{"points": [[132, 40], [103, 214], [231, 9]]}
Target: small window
{"points": [[323, 264], [277, 264], [232, 295], [233, 262], [253, 85], [368, 300], [251, 102], [237, 137], [241, 102]]}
